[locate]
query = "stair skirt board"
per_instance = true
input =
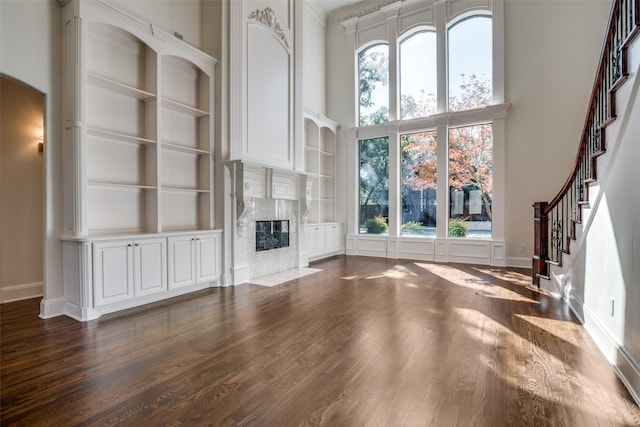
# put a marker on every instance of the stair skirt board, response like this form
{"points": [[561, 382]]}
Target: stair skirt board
{"points": [[625, 366]]}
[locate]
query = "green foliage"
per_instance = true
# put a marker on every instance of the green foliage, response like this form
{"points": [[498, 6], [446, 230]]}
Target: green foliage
{"points": [[413, 227], [376, 225], [374, 174], [373, 70], [457, 228]]}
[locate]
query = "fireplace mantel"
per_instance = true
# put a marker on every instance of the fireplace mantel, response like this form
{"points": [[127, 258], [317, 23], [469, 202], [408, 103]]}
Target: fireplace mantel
{"points": [[254, 181]]}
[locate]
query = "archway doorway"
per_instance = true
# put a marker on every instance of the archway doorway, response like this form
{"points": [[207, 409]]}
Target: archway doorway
{"points": [[22, 138]]}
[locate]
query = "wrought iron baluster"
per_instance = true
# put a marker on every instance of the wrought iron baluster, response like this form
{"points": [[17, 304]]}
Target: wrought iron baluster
{"points": [[616, 59], [595, 137], [556, 238]]}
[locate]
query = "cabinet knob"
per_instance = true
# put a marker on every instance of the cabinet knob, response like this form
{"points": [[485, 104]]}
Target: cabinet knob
{"points": [[129, 245], [135, 244]]}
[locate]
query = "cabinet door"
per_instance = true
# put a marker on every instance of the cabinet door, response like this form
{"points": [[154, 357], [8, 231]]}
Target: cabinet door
{"points": [[112, 272], [149, 266], [316, 241], [207, 257], [181, 261], [333, 238]]}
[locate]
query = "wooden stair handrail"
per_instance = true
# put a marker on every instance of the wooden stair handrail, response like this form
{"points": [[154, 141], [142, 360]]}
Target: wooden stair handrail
{"points": [[610, 76]]}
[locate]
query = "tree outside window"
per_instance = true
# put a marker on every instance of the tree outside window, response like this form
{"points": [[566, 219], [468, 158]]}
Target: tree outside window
{"points": [[374, 185], [419, 168], [373, 85], [418, 75], [470, 181], [470, 59]]}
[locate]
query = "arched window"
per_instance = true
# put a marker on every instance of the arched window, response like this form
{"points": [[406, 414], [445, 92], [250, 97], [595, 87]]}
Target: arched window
{"points": [[418, 75], [470, 63], [373, 80]]}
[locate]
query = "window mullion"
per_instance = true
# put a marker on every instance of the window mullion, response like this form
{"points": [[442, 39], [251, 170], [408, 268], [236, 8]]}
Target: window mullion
{"points": [[392, 38], [441, 56], [442, 192], [395, 194]]}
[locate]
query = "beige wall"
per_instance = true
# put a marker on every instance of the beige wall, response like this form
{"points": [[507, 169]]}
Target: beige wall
{"points": [[314, 62], [551, 54], [21, 189], [181, 16]]}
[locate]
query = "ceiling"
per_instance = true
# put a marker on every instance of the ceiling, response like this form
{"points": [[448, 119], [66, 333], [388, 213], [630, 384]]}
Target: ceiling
{"points": [[324, 7]]}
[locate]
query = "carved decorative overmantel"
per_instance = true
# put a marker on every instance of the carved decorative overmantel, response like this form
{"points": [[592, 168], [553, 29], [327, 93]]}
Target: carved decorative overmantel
{"points": [[267, 17]]}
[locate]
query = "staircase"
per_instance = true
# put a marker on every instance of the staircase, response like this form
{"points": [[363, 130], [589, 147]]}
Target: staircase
{"points": [[561, 225]]}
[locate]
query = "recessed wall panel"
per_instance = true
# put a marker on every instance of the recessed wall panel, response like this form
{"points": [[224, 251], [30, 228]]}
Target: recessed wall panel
{"points": [[268, 97]]}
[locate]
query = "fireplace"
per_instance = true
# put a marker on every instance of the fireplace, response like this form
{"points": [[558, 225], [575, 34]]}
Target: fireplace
{"points": [[269, 211], [272, 234]]}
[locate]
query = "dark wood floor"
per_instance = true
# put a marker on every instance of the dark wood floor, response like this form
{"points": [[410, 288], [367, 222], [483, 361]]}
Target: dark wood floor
{"points": [[365, 342]]}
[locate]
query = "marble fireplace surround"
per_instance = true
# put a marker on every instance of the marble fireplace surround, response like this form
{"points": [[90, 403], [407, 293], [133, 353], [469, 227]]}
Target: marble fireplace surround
{"points": [[261, 194]]}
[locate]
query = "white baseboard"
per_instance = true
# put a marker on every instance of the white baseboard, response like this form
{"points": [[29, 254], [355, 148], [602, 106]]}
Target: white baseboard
{"points": [[518, 262], [240, 275], [20, 292], [52, 308], [625, 366]]}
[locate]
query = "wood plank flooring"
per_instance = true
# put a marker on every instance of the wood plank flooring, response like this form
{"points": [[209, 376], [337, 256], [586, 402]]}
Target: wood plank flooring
{"points": [[364, 342]]}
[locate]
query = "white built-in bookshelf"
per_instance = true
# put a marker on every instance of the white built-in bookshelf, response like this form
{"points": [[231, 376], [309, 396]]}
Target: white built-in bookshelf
{"points": [[148, 135], [319, 150], [138, 161], [323, 235]]}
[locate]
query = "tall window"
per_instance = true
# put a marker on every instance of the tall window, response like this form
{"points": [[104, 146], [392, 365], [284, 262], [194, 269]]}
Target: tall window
{"points": [[470, 181], [436, 73], [470, 63], [418, 75], [373, 79], [374, 185], [419, 167]]}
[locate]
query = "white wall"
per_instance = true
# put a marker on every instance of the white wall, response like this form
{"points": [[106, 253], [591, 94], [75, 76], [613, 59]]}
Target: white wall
{"points": [[30, 33], [604, 268], [314, 62], [22, 181], [551, 54]]}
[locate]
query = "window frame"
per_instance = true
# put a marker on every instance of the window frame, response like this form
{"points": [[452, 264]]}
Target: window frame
{"points": [[394, 24]]}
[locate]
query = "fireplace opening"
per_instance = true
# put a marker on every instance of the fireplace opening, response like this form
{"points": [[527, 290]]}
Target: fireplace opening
{"points": [[272, 234]]}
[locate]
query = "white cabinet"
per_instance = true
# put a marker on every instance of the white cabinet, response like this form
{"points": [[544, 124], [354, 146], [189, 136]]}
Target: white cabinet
{"points": [[208, 247], [316, 243], [128, 269], [113, 272], [149, 266], [193, 259], [182, 260], [333, 238], [324, 240]]}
